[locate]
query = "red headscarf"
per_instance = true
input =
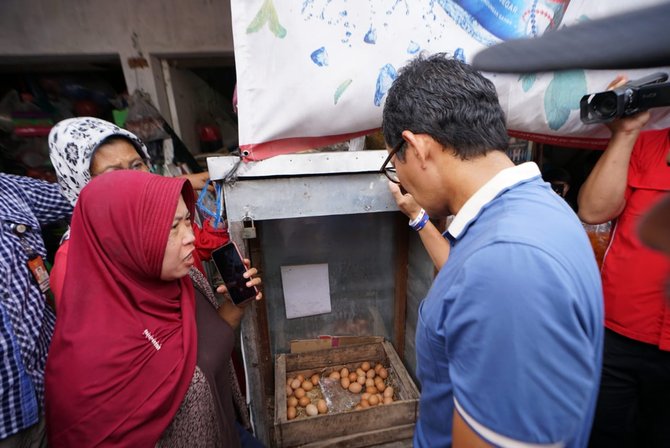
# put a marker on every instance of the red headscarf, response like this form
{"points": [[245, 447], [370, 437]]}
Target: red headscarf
{"points": [[124, 348]]}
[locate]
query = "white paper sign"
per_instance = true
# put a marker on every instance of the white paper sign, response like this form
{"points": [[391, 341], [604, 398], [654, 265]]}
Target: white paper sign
{"points": [[306, 290]]}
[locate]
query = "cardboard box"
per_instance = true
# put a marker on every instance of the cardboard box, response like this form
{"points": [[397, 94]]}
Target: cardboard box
{"points": [[376, 425]]}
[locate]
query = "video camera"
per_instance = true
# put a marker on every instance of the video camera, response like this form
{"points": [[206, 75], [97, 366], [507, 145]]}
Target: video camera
{"points": [[631, 98]]}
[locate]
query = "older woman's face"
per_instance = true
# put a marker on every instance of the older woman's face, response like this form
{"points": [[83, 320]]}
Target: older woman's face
{"points": [[178, 257], [116, 155]]}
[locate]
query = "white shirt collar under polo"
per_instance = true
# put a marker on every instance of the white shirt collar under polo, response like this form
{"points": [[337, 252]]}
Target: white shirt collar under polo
{"points": [[501, 181]]}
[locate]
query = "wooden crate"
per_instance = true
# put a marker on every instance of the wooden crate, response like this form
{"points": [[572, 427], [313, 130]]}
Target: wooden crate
{"points": [[366, 427]]}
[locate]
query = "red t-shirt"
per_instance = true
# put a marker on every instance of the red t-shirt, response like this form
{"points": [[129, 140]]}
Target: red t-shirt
{"points": [[206, 240], [634, 277]]}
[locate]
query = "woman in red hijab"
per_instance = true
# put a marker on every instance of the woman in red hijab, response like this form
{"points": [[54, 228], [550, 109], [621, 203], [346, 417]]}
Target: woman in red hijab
{"points": [[139, 357]]}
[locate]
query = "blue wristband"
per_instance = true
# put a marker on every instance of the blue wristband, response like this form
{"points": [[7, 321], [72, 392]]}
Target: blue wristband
{"points": [[420, 221]]}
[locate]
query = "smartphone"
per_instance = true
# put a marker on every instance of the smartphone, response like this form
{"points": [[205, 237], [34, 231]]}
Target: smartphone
{"points": [[229, 263]]}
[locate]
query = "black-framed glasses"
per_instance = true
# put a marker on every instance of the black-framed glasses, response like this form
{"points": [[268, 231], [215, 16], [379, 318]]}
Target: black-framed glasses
{"points": [[389, 170]]}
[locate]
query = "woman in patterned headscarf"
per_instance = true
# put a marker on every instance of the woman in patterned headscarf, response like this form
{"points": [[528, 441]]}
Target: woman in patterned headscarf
{"points": [[84, 147]]}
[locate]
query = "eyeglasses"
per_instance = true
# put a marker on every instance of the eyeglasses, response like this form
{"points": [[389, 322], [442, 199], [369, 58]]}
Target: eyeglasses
{"points": [[390, 171]]}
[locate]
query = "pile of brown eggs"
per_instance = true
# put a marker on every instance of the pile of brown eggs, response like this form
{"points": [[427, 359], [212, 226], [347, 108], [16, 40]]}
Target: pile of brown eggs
{"points": [[302, 393], [367, 381], [304, 397]]}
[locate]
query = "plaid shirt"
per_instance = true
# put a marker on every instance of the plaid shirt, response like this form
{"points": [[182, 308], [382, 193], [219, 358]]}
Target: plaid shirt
{"points": [[26, 323]]}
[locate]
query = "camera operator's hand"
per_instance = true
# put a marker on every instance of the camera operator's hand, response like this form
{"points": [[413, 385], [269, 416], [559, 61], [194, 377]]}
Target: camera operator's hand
{"points": [[628, 125]]}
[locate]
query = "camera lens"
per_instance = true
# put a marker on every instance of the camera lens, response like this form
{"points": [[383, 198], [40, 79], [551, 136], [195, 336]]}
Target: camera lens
{"points": [[604, 104]]}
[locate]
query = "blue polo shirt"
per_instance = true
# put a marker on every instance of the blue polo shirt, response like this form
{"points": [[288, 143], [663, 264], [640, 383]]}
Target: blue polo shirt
{"points": [[510, 333]]}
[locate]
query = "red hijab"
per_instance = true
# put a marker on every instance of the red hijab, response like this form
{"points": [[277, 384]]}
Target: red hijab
{"points": [[124, 348]]}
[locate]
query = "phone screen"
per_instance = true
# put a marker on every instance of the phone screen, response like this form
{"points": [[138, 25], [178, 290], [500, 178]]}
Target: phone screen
{"points": [[231, 267]]}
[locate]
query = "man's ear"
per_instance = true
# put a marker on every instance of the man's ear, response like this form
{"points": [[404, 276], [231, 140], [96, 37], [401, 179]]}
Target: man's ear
{"points": [[419, 144]]}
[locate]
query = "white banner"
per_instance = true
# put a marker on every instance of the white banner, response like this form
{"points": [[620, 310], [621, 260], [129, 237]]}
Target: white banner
{"points": [[315, 72]]}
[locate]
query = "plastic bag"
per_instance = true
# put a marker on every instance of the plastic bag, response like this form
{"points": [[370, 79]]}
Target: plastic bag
{"points": [[599, 236], [143, 118]]}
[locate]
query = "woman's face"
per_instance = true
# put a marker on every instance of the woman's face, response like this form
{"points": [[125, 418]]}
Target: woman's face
{"points": [[116, 155], [178, 257]]}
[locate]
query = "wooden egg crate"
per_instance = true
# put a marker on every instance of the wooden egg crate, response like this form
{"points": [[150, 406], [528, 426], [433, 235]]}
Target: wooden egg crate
{"points": [[377, 424]]}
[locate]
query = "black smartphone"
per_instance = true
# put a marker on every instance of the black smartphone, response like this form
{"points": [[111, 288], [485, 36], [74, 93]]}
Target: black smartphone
{"points": [[230, 265]]}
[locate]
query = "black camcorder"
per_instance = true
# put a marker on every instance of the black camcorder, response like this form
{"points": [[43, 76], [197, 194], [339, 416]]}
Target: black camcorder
{"points": [[631, 98]]}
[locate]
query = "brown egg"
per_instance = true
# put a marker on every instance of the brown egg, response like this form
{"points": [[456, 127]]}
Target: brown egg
{"points": [[296, 384], [315, 379], [380, 386], [365, 366], [344, 372], [304, 401], [300, 377], [289, 381], [345, 383], [292, 402], [322, 406], [365, 404], [383, 373], [360, 372], [307, 385], [371, 373], [388, 400], [365, 396], [388, 392], [361, 380], [291, 412], [371, 390], [355, 388], [358, 407], [289, 391], [378, 366], [299, 393], [373, 400], [334, 375], [369, 382], [311, 410], [353, 376]]}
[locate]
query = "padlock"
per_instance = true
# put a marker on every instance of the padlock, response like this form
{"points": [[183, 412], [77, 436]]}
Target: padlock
{"points": [[248, 229]]}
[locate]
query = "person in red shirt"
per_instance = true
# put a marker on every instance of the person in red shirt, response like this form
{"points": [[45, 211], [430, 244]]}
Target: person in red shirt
{"points": [[629, 179], [84, 147]]}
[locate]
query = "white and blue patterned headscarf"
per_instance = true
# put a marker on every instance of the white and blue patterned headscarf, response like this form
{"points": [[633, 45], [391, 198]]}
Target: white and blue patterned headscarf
{"points": [[73, 142]]}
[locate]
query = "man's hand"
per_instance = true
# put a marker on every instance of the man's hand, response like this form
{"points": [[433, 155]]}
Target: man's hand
{"points": [[405, 202]]}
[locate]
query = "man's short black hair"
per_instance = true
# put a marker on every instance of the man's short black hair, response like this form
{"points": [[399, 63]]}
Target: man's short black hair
{"points": [[448, 100]]}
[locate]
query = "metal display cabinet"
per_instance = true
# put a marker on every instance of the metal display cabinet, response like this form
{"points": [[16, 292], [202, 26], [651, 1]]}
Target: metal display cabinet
{"points": [[324, 208]]}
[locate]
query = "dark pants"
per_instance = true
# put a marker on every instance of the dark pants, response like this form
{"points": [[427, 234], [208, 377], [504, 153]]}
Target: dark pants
{"points": [[634, 401]]}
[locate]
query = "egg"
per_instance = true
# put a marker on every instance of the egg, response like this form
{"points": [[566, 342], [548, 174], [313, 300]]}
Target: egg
{"points": [[369, 382], [355, 388], [370, 373], [388, 400], [321, 406], [291, 412], [358, 407], [360, 372], [353, 377], [311, 410], [373, 400], [345, 383], [334, 376], [365, 366], [383, 373], [304, 401], [315, 379], [292, 402], [344, 372], [307, 385], [361, 380], [289, 391], [300, 377], [388, 392], [296, 383], [299, 393], [364, 404], [380, 386], [377, 367], [365, 396], [371, 390]]}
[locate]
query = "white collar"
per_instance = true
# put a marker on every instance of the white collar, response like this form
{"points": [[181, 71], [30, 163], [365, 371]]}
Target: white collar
{"points": [[501, 181]]}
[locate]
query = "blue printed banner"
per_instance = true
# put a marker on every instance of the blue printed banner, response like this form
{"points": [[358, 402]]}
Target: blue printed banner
{"points": [[315, 72]]}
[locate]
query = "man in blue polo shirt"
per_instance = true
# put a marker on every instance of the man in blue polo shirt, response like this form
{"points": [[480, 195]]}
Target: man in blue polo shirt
{"points": [[509, 337]]}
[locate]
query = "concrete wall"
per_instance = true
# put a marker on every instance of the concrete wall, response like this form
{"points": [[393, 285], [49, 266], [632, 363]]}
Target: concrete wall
{"points": [[149, 29]]}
